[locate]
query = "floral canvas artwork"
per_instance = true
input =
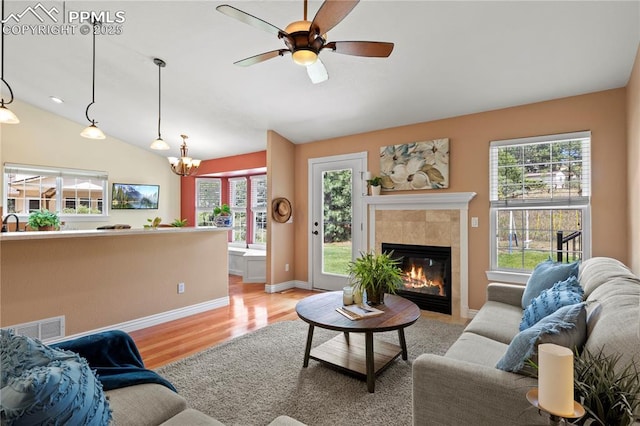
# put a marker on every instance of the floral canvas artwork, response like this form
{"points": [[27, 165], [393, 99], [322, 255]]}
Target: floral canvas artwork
{"points": [[416, 165]]}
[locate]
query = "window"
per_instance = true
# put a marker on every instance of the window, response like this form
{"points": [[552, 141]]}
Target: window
{"points": [[69, 192], [208, 196], [259, 209], [540, 194], [238, 205]]}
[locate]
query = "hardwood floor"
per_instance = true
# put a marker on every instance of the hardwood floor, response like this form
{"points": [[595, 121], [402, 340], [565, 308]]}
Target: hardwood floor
{"points": [[250, 308]]}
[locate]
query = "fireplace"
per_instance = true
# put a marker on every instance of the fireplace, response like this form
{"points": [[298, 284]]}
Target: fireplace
{"points": [[426, 275]]}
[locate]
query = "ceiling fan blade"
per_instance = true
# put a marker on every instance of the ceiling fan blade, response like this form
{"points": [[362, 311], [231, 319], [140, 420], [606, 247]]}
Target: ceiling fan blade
{"points": [[376, 49], [317, 72], [329, 15], [249, 19], [252, 60]]}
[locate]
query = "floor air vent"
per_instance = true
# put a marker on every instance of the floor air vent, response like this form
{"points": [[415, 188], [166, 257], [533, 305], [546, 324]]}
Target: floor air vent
{"points": [[46, 329]]}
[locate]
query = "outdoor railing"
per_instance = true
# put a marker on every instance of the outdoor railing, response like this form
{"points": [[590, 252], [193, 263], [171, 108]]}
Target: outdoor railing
{"points": [[562, 245]]}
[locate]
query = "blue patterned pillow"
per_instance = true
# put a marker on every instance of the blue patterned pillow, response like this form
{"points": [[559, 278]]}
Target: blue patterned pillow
{"points": [[563, 293], [42, 385], [565, 327], [544, 276]]}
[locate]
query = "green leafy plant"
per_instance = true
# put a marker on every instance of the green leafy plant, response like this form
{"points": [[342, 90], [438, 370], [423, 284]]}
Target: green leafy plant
{"points": [[43, 218], [375, 181], [179, 223], [223, 210], [153, 223], [610, 394], [375, 274]]}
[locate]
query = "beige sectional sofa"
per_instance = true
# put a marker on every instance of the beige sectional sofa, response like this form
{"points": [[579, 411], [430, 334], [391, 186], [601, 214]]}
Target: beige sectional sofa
{"points": [[464, 387]]}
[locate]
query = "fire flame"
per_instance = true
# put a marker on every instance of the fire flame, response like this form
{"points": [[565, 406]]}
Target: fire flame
{"points": [[416, 278]]}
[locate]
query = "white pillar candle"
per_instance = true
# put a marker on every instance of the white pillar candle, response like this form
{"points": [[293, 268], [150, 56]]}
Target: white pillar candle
{"points": [[367, 175], [347, 296], [555, 379]]}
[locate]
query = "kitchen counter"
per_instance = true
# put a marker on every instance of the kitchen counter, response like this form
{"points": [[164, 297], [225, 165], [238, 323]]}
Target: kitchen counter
{"points": [[42, 235]]}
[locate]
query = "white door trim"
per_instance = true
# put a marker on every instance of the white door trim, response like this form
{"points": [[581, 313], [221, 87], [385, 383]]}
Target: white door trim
{"points": [[361, 243]]}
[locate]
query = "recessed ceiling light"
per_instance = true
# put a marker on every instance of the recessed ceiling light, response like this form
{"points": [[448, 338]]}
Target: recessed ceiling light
{"points": [[56, 100]]}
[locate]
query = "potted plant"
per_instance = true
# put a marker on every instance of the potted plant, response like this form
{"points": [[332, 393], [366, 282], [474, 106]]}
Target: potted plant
{"points": [[44, 220], [222, 215], [179, 223], [153, 223], [375, 275], [375, 184]]}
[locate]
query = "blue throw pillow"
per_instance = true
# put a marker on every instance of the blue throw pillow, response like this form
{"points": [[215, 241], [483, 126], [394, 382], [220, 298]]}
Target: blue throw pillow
{"points": [[48, 386], [565, 327], [545, 275], [20, 353], [563, 293]]}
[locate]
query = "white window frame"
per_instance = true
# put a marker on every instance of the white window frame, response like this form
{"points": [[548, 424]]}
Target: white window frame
{"points": [[255, 208], [581, 202], [213, 201], [237, 209], [60, 174]]}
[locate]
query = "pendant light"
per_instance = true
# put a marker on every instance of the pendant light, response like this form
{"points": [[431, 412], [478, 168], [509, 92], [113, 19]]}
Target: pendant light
{"points": [[185, 165], [159, 144], [6, 115], [92, 131]]}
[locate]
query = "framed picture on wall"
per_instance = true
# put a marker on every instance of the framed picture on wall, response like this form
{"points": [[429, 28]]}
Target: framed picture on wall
{"points": [[129, 196], [417, 165]]}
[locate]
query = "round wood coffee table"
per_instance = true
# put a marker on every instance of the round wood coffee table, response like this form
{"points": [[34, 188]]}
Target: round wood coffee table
{"points": [[356, 354]]}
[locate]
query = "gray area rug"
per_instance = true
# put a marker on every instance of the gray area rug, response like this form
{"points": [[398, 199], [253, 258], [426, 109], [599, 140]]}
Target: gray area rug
{"points": [[254, 378]]}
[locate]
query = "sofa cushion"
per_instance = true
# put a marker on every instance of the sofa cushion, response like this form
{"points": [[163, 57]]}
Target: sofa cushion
{"points": [[476, 349], [497, 321], [146, 404], [191, 417], [565, 327], [563, 293], [599, 270], [544, 276]]}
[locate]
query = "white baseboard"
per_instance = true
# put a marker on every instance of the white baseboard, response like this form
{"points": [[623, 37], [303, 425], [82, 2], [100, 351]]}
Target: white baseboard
{"points": [[304, 285], [276, 288], [152, 320]]}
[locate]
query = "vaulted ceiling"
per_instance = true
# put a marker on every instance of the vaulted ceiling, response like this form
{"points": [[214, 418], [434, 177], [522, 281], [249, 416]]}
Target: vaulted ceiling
{"points": [[450, 58]]}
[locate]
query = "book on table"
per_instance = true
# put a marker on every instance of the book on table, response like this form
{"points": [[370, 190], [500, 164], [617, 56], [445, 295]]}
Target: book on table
{"points": [[356, 312]]}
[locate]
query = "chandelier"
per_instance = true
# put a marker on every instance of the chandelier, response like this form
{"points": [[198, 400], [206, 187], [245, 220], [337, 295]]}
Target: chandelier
{"points": [[185, 165]]}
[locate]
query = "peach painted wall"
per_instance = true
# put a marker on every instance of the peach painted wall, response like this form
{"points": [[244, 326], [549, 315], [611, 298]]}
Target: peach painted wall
{"points": [[633, 163], [604, 113], [219, 165], [281, 178], [102, 281]]}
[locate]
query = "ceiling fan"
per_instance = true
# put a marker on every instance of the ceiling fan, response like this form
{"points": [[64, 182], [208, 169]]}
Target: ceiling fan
{"points": [[305, 39]]}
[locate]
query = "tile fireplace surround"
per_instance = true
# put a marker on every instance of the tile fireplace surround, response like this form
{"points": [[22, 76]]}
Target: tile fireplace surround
{"points": [[427, 219]]}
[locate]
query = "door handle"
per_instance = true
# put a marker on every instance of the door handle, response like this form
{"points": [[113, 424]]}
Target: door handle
{"points": [[315, 232]]}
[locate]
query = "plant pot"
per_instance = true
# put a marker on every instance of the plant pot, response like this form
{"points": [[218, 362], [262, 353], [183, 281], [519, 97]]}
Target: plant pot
{"points": [[47, 228], [223, 221], [375, 190], [375, 297]]}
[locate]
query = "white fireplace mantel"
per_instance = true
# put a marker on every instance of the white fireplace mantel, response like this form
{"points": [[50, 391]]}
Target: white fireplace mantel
{"points": [[438, 201], [442, 201]]}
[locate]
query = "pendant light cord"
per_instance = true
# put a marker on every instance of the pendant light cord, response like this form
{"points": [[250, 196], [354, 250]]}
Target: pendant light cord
{"points": [[93, 75], [159, 97], [2, 101]]}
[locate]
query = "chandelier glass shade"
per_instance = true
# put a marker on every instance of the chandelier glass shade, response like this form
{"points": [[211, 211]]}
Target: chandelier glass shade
{"points": [[185, 165], [6, 115]]}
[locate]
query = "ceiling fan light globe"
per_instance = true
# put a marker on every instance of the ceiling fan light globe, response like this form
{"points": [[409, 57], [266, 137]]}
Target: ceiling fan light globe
{"points": [[7, 116], [297, 26], [305, 57], [92, 132]]}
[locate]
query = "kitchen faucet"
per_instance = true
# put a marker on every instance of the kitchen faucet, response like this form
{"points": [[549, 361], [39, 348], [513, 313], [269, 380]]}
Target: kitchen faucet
{"points": [[4, 223]]}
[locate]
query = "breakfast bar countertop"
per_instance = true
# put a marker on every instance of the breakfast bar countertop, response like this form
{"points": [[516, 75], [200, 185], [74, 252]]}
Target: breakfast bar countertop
{"points": [[43, 235]]}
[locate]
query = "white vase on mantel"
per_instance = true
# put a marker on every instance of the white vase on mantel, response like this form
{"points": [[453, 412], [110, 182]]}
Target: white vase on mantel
{"points": [[375, 190]]}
